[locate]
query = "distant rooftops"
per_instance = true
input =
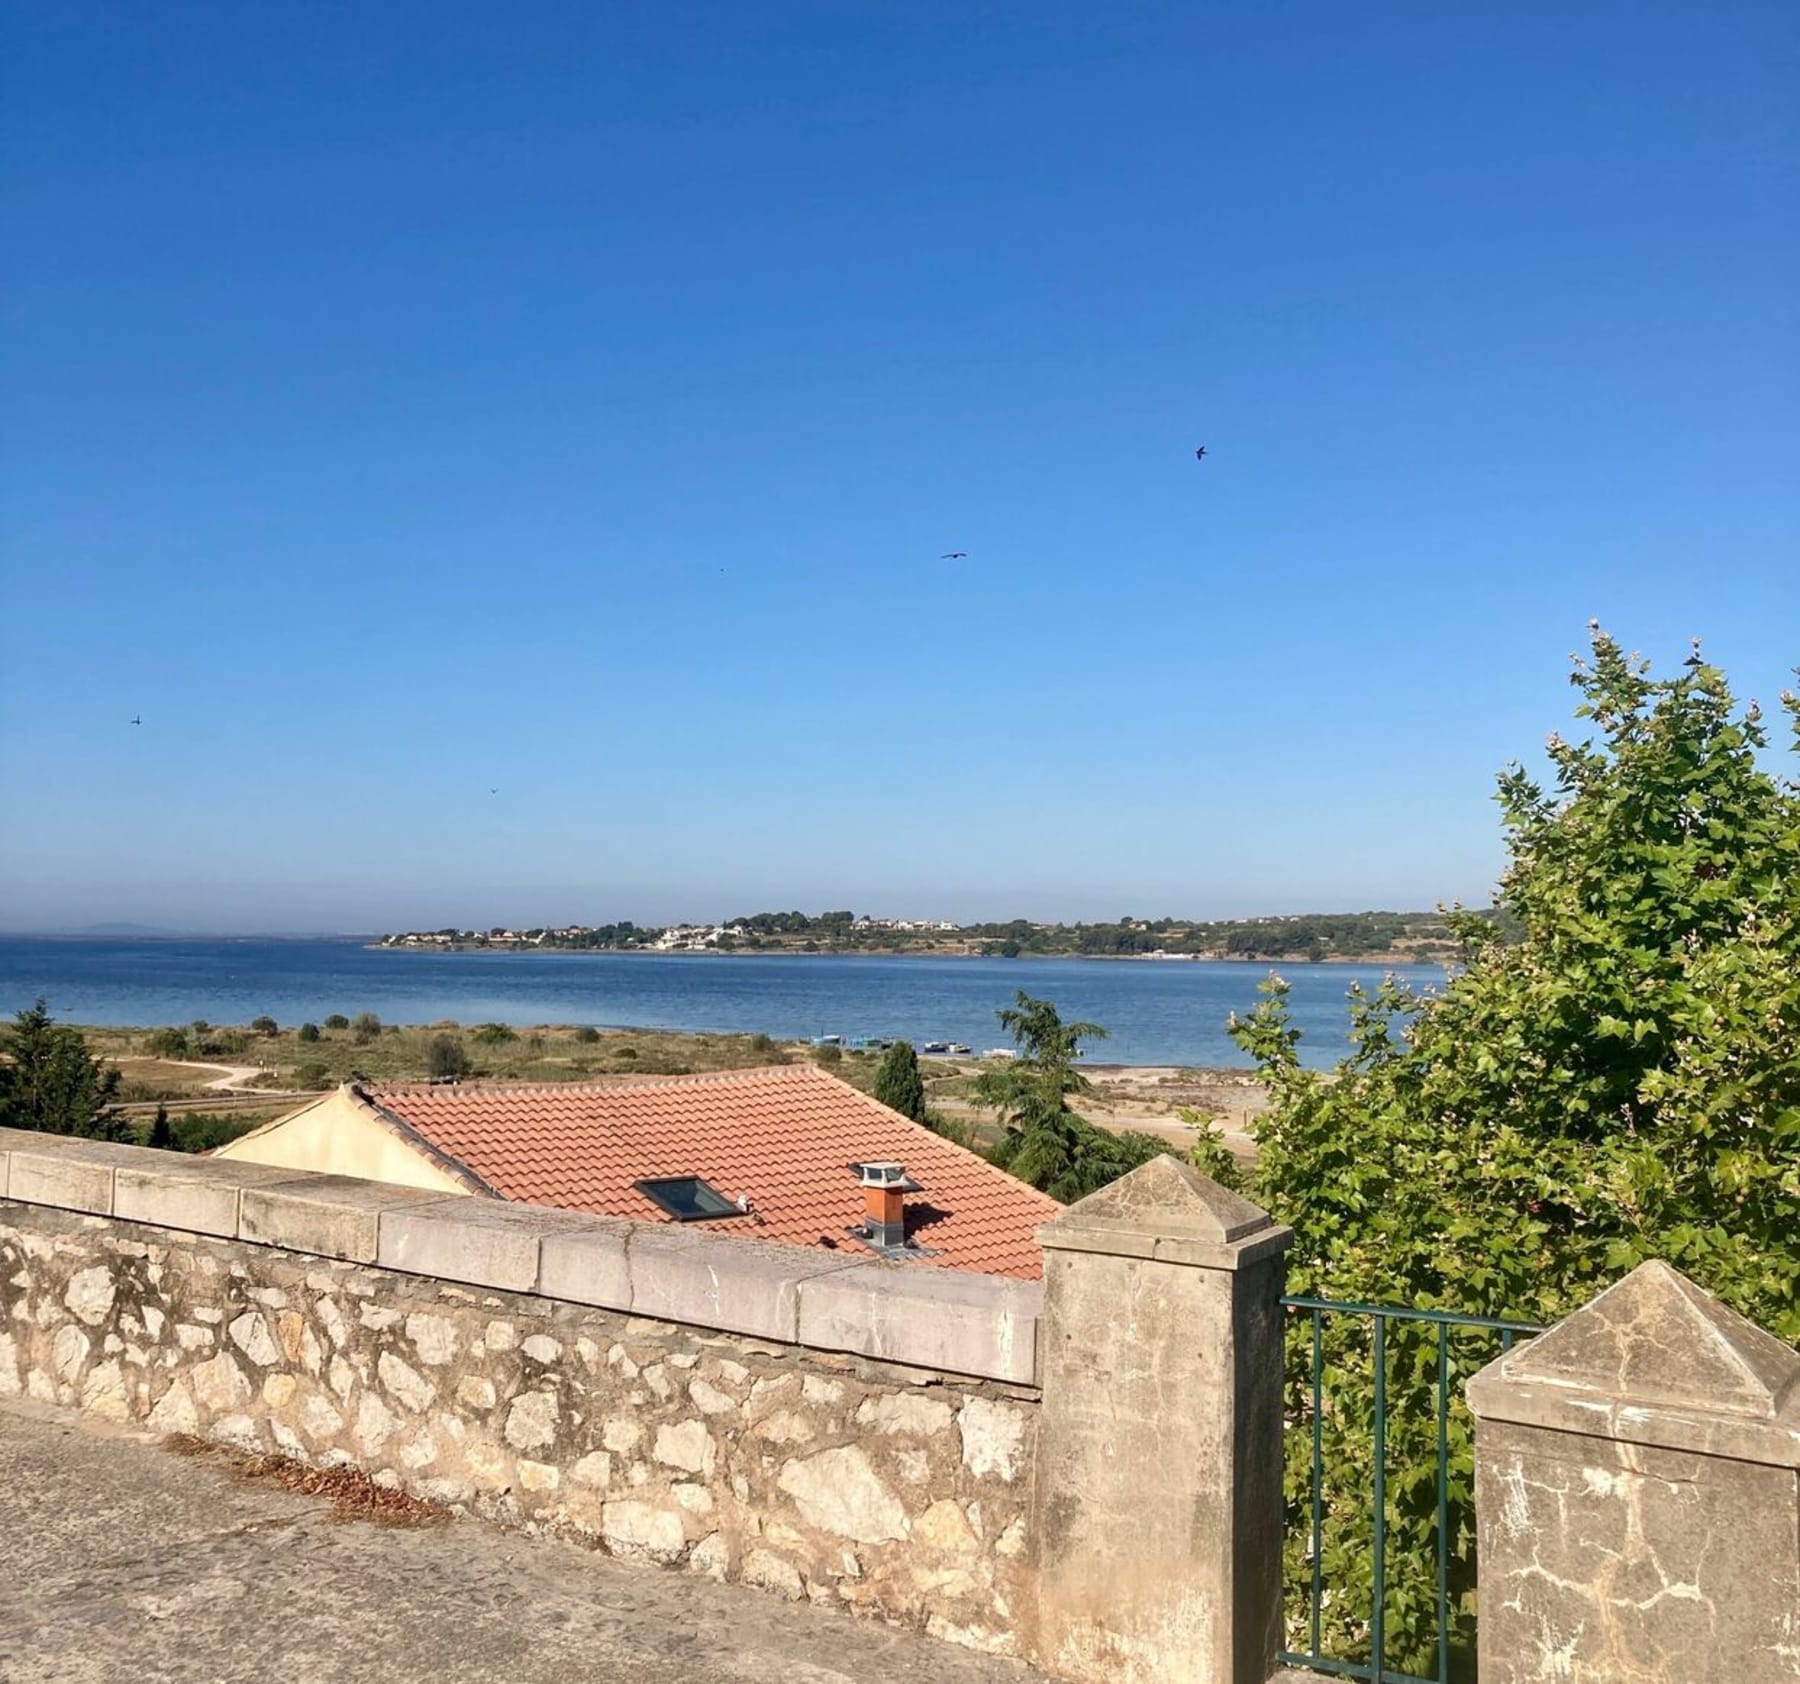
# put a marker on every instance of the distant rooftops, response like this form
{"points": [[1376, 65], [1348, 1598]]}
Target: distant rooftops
{"points": [[788, 1142]]}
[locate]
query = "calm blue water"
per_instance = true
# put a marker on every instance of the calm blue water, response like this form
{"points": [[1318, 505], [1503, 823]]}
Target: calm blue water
{"points": [[1159, 1013]]}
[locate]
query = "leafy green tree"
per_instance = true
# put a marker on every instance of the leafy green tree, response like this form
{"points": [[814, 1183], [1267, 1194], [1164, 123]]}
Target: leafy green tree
{"points": [[1621, 1082], [364, 1027], [1046, 1143], [265, 1025], [337, 1020], [307, 1032], [447, 1058], [162, 1136], [898, 1084], [50, 1081], [167, 1043], [1209, 1153]]}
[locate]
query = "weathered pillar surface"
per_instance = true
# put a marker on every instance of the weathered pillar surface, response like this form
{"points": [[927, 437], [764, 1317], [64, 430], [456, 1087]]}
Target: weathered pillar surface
{"points": [[1159, 1473], [1636, 1496]]}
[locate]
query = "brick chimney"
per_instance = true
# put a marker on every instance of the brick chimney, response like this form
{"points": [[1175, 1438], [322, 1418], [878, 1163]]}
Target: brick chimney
{"points": [[885, 1186]]}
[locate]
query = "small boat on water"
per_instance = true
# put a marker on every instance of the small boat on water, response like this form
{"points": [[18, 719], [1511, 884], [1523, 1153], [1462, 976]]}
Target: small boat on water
{"points": [[934, 1046]]}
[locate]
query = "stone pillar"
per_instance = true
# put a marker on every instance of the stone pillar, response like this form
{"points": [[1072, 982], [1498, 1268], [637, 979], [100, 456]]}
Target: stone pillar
{"points": [[1637, 1511], [1158, 1501]]}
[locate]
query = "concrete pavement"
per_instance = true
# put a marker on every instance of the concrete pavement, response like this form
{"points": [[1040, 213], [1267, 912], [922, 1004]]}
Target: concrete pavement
{"points": [[121, 1560]]}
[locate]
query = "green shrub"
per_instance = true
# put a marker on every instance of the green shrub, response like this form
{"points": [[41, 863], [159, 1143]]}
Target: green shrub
{"points": [[587, 1035], [265, 1025], [311, 1076], [205, 1131], [307, 1032], [167, 1043], [492, 1034], [364, 1027], [447, 1058], [337, 1020]]}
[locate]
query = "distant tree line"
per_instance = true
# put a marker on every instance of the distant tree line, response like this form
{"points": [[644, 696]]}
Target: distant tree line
{"points": [[1303, 936]]}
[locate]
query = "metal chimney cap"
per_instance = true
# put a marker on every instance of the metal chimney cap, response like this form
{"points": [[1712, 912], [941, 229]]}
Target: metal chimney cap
{"points": [[885, 1174]]}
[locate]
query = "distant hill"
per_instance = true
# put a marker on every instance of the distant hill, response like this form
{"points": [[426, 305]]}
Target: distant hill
{"points": [[124, 930], [139, 931]]}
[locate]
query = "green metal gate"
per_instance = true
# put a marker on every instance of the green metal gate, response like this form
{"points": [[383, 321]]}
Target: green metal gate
{"points": [[1387, 1379]]}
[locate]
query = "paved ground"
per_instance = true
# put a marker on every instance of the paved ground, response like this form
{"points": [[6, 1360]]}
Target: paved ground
{"points": [[120, 1560]]}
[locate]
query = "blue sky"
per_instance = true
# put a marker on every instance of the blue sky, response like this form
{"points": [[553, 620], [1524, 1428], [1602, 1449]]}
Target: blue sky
{"points": [[404, 402]]}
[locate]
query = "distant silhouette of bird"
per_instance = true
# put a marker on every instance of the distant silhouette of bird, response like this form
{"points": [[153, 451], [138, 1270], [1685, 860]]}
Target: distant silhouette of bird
{"points": [[136, 719], [1200, 454], [493, 792], [955, 555]]}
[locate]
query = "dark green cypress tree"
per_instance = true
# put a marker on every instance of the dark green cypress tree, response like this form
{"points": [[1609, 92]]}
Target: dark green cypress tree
{"points": [[898, 1084]]}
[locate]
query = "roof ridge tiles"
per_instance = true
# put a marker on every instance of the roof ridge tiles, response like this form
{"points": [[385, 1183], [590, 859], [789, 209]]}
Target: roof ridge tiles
{"points": [[612, 1082]]}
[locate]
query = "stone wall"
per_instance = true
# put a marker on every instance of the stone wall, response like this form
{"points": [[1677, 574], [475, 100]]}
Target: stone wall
{"points": [[833, 1478], [894, 1489], [821, 1424]]}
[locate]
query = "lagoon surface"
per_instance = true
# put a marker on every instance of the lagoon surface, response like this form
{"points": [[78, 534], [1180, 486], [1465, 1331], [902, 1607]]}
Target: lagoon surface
{"points": [[1159, 1012]]}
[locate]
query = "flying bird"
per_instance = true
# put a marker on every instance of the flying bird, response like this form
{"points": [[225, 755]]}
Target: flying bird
{"points": [[1200, 454], [955, 555], [137, 719]]}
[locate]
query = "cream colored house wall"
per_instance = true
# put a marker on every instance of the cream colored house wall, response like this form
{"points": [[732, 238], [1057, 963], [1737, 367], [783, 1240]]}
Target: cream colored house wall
{"points": [[339, 1136]]}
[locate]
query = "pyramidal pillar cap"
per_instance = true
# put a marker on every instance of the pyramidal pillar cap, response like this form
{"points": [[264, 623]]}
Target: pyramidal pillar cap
{"points": [[1169, 1212], [1654, 1360]]}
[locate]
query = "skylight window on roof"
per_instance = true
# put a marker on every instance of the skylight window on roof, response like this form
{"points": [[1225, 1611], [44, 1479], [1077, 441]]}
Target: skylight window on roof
{"points": [[687, 1198]]}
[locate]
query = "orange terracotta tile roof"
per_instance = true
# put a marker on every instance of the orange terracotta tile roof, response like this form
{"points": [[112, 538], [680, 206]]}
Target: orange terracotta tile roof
{"points": [[785, 1137]]}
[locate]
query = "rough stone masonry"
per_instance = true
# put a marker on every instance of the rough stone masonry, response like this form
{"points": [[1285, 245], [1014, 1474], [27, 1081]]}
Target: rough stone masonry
{"points": [[893, 1490]]}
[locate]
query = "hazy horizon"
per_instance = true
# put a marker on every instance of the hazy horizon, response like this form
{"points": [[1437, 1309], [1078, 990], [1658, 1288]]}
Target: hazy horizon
{"points": [[124, 928]]}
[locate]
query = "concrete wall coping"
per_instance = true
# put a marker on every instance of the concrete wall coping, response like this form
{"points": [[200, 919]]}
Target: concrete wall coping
{"points": [[1492, 1397], [981, 1326], [1653, 1360], [1168, 1212]]}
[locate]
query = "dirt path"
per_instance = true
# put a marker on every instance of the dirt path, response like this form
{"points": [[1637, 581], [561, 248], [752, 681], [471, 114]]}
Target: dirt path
{"points": [[235, 1079]]}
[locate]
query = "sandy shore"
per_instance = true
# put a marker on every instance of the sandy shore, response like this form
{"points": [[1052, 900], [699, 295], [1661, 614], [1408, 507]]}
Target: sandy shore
{"points": [[1150, 1098]]}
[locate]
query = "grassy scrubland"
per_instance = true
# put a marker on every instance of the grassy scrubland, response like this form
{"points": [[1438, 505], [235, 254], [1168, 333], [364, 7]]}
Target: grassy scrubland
{"points": [[274, 1065], [292, 1058]]}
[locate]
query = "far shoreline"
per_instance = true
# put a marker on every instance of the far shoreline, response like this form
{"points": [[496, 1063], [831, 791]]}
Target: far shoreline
{"points": [[1389, 959]]}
